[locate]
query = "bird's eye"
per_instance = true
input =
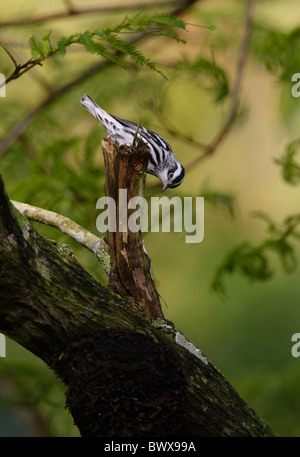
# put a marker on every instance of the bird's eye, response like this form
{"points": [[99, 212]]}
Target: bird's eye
{"points": [[171, 175]]}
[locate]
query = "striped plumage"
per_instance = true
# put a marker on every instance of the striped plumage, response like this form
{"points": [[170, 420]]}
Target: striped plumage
{"points": [[162, 161]]}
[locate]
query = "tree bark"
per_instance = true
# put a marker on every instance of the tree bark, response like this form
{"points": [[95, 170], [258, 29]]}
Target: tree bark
{"points": [[125, 373], [130, 266]]}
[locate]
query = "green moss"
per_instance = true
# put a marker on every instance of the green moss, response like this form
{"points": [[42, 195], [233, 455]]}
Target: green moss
{"points": [[104, 259], [21, 220]]}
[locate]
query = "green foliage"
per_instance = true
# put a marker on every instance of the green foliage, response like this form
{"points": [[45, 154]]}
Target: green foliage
{"points": [[126, 49], [94, 46], [164, 25], [274, 394], [64, 42], [249, 260], [213, 76], [220, 200], [289, 167], [253, 261], [65, 176], [32, 386], [278, 51], [108, 44], [40, 48]]}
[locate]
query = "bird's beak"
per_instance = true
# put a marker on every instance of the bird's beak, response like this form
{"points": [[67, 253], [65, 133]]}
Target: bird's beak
{"points": [[164, 188]]}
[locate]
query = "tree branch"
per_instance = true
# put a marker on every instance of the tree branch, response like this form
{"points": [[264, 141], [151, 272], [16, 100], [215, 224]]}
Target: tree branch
{"points": [[72, 11], [124, 375], [9, 55], [87, 239], [25, 67], [210, 149]]}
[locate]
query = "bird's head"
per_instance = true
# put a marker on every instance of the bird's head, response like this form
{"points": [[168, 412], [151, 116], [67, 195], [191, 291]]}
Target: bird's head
{"points": [[172, 176]]}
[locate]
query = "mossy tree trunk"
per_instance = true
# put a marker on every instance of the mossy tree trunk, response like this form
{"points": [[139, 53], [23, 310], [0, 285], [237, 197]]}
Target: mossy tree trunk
{"points": [[127, 371]]}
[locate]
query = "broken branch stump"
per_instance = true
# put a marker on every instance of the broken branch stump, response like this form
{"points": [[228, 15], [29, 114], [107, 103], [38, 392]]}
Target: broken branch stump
{"points": [[130, 267]]}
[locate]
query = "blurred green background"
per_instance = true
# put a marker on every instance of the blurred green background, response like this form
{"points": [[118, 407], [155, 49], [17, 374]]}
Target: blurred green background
{"points": [[57, 164]]}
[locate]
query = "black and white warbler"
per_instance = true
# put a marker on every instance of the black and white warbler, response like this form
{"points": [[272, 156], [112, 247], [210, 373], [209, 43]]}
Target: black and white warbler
{"points": [[162, 161]]}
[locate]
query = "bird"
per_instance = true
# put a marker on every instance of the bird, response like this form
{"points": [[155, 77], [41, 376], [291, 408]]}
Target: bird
{"points": [[162, 162]]}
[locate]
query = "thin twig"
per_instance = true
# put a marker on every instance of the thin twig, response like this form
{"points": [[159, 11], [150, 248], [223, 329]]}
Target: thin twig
{"points": [[212, 147], [236, 91], [19, 55], [136, 132], [31, 63], [9, 54], [177, 134]]}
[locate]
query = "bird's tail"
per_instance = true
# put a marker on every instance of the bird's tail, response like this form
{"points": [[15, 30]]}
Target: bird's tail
{"points": [[92, 107], [106, 119]]}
